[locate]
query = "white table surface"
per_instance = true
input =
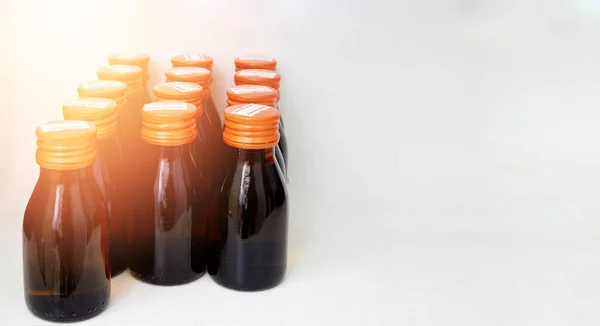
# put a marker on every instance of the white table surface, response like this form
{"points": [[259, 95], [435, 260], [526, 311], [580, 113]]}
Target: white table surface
{"points": [[377, 272]]}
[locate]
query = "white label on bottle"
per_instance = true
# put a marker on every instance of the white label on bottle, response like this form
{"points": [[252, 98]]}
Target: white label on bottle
{"points": [[257, 73], [101, 84], [250, 110], [180, 71], [160, 106], [98, 103], [183, 87], [64, 125], [255, 58], [250, 89]]}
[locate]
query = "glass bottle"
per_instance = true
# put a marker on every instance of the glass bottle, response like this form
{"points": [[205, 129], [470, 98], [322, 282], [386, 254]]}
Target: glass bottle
{"points": [[116, 91], [208, 148], [248, 236], [130, 118], [202, 77], [134, 59], [193, 60], [258, 94], [66, 266], [169, 239], [255, 62], [267, 78], [108, 172]]}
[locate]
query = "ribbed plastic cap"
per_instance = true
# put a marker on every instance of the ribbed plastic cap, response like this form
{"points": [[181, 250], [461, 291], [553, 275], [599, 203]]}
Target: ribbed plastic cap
{"points": [[251, 126], [66, 145], [255, 62], [99, 111], [133, 59], [169, 123], [192, 60]]}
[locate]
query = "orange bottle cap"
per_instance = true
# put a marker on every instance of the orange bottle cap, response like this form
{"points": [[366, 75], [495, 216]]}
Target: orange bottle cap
{"points": [[133, 59], [169, 123], [66, 145], [252, 94], [177, 91], [255, 62], [231, 102], [189, 74], [192, 60], [252, 114], [257, 77], [251, 126], [124, 73], [111, 89], [100, 111]]}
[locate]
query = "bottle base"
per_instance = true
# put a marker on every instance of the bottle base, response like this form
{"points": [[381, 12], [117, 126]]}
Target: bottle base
{"points": [[43, 308], [161, 281], [247, 288]]}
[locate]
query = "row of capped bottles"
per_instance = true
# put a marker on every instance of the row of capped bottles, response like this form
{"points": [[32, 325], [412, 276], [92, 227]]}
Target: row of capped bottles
{"points": [[157, 184]]}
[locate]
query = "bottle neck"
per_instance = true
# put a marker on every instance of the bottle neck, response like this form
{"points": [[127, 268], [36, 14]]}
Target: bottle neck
{"points": [[174, 152], [252, 154], [61, 176]]}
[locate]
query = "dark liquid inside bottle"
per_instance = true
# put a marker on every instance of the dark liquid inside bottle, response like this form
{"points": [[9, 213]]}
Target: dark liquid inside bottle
{"points": [[108, 172], [65, 247], [169, 232], [249, 232]]}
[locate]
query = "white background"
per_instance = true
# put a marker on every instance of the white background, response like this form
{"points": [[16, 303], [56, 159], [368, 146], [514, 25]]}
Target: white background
{"points": [[443, 153]]}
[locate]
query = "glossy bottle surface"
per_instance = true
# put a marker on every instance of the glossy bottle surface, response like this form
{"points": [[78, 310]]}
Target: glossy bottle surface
{"points": [[170, 225], [65, 247], [108, 172], [249, 233]]}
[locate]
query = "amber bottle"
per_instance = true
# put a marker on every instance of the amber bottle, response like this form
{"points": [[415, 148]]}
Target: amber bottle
{"points": [[267, 78], [202, 77], [193, 60], [209, 147], [249, 234], [134, 59], [66, 266], [113, 90], [169, 239], [129, 118], [257, 94], [108, 172]]}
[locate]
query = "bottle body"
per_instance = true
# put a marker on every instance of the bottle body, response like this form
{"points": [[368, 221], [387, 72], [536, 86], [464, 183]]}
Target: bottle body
{"points": [[169, 234], [249, 232], [109, 174], [66, 262]]}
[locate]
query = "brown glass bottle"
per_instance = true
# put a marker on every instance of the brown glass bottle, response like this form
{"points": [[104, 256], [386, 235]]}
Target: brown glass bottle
{"points": [[269, 78], [129, 118], [116, 91], [207, 149], [210, 120], [66, 265], [169, 238], [108, 172], [258, 94], [249, 234], [139, 60]]}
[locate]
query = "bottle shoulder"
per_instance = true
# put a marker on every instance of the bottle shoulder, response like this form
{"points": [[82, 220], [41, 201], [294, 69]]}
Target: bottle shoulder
{"points": [[259, 181], [58, 204]]}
